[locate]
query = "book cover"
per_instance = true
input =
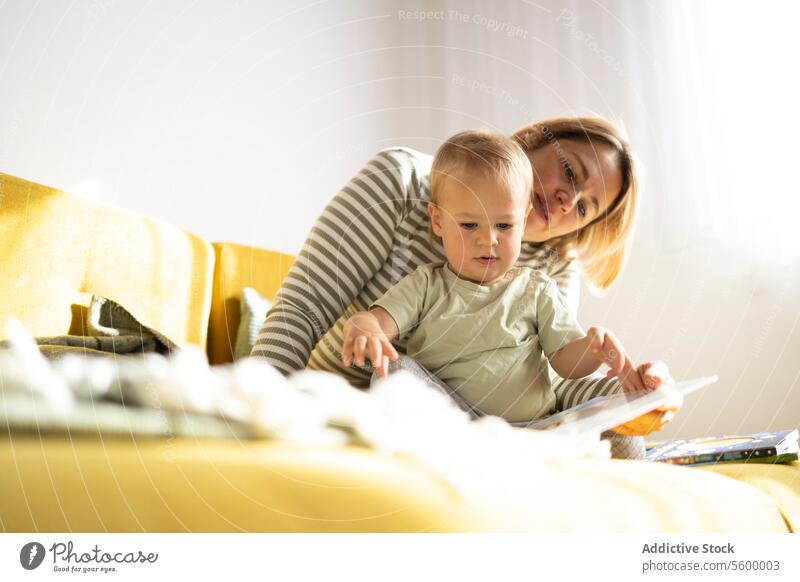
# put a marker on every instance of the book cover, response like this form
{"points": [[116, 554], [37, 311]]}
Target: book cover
{"points": [[762, 447], [606, 412]]}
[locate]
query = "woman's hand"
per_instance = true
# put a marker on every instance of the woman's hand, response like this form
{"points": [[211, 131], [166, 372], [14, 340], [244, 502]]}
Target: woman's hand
{"points": [[608, 349], [364, 336], [653, 375]]}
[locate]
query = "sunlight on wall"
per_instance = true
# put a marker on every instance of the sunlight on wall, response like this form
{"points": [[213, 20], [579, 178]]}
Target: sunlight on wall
{"points": [[90, 189]]}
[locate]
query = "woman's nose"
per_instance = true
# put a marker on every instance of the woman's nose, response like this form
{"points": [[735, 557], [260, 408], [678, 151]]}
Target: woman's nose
{"points": [[566, 200]]}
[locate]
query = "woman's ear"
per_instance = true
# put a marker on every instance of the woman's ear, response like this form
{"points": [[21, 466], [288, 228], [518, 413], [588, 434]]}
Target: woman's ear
{"points": [[436, 218]]}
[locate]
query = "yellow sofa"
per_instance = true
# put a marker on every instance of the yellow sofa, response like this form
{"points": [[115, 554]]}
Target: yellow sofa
{"points": [[59, 249]]}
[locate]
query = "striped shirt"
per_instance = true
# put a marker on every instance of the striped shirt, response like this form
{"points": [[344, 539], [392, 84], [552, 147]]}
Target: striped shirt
{"points": [[375, 231]]}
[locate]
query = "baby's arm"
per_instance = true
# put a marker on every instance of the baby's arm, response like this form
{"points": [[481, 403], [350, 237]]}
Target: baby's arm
{"points": [[583, 356], [370, 333]]}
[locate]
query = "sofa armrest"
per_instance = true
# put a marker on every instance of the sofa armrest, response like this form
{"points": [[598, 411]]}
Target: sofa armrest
{"points": [[237, 267]]}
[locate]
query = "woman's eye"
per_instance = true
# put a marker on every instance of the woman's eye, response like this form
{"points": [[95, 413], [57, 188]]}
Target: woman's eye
{"points": [[581, 208], [504, 226], [469, 225], [568, 172]]}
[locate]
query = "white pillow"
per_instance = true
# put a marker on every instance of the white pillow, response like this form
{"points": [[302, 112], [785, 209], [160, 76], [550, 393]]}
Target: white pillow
{"points": [[254, 312]]}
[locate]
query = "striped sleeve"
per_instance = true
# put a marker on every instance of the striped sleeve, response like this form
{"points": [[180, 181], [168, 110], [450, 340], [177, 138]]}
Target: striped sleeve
{"points": [[349, 243]]}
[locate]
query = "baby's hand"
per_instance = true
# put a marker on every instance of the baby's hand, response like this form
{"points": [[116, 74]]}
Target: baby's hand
{"points": [[363, 337], [654, 375], [607, 347]]}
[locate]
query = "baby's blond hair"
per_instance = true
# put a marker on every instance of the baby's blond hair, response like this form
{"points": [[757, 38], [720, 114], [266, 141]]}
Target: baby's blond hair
{"points": [[485, 154]]}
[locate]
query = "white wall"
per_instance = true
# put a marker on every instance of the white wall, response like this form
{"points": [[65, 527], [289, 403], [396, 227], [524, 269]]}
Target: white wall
{"points": [[239, 120]]}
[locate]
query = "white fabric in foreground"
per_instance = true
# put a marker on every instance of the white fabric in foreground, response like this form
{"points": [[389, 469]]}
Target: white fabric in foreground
{"points": [[400, 415]]}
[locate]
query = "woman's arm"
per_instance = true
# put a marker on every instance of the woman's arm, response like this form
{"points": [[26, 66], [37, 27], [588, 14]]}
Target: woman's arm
{"points": [[349, 243]]}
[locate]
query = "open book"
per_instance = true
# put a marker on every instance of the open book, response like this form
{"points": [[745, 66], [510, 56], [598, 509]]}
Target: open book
{"points": [[606, 412]]}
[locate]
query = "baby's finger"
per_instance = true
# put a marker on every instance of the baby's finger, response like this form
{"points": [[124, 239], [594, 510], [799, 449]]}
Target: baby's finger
{"points": [[628, 382], [596, 346], [611, 353], [360, 346], [615, 359], [389, 350], [383, 371], [613, 372], [623, 378], [635, 378], [655, 374], [375, 352], [629, 378], [347, 351], [636, 382]]}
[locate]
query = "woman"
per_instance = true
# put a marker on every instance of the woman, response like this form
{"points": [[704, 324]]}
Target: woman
{"points": [[376, 230]]}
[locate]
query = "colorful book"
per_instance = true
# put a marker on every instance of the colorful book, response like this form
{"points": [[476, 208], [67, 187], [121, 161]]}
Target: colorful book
{"points": [[761, 447]]}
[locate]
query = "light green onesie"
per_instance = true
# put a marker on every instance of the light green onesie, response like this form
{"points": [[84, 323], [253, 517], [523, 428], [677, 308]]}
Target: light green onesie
{"points": [[488, 343]]}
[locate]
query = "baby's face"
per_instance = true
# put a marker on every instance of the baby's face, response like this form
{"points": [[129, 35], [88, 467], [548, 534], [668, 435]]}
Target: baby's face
{"points": [[481, 222]]}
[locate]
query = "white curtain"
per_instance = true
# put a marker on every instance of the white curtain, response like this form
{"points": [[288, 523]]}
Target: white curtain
{"points": [[707, 90]]}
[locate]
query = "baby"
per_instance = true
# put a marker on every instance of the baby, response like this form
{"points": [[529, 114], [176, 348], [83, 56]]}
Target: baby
{"points": [[479, 326]]}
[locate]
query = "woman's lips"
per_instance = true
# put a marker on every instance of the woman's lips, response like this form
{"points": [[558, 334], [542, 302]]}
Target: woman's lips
{"points": [[540, 208]]}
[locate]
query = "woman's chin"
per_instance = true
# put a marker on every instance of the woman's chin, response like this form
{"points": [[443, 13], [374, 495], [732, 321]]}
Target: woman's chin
{"points": [[537, 230]]}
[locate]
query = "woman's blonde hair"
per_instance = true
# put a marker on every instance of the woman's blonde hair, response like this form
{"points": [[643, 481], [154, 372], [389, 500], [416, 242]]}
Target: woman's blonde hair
{"points": [[603, 244]]}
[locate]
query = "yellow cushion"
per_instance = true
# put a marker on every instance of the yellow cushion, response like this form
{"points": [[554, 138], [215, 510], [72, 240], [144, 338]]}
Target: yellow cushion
{"points": [[781, 482], [59, 249], [237, 267], [175, 485]]}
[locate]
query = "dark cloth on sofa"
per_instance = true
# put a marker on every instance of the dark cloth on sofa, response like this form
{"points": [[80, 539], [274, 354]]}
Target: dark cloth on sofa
{"points": [[113, 331]]}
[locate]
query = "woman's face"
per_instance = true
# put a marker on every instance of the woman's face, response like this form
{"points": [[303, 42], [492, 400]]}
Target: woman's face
{"points": [[573, 183]]}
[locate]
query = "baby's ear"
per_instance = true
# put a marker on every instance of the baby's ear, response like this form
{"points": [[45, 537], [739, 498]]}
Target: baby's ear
{"points": [[436, 218]]}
